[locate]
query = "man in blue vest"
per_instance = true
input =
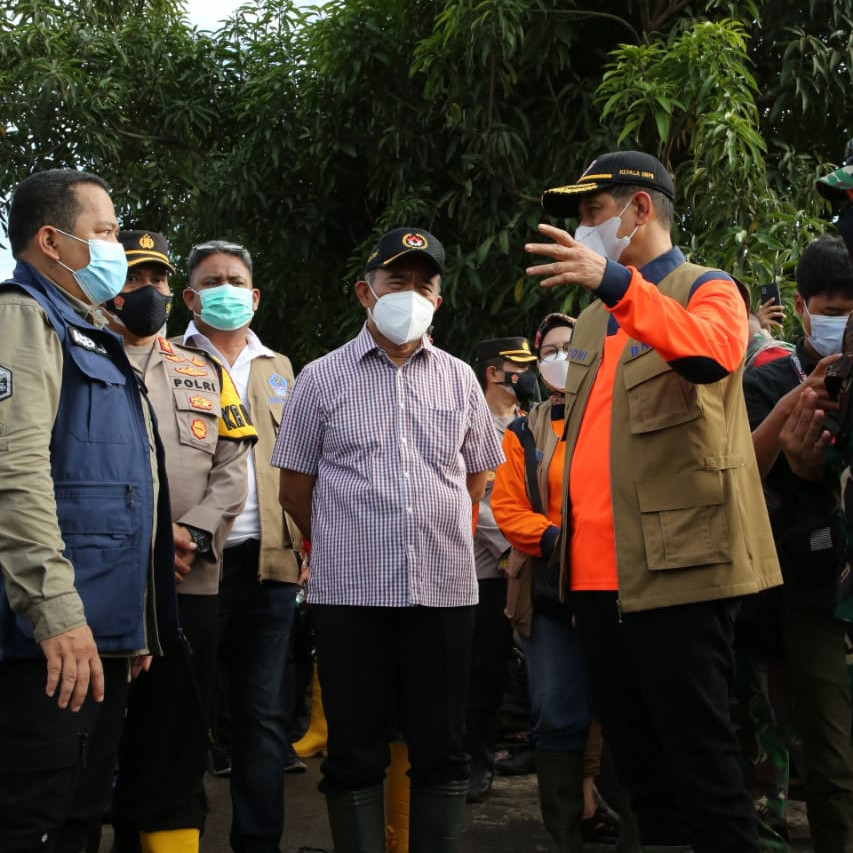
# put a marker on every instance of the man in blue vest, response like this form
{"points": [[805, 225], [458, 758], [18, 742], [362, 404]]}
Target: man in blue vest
{"points": [[87, 589]]}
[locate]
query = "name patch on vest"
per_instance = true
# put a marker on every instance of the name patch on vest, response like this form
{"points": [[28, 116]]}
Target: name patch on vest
{"points": [[638, 349], [81, 340], [194, 384], [5, 383], [581, 356]]}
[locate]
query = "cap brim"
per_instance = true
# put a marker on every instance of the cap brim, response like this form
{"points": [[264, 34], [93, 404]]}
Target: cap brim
{"points": [[837, 184], [405, 253], [563, 201], [135, 258], [519, 356]]}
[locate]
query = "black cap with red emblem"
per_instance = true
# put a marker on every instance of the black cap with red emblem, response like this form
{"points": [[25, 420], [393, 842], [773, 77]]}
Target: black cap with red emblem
{"points": [[401, 242]]}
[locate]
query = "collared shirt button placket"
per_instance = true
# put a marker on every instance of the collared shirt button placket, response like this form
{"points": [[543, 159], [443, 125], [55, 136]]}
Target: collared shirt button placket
{"points": [[405, 450]]}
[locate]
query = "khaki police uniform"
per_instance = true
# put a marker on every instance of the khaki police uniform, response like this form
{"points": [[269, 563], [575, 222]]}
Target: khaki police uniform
{"points": [[207, 435]]}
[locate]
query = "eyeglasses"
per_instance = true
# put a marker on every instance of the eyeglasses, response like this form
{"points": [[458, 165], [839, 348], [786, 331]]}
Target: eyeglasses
{"points": [[212, 247], [551, 353]]}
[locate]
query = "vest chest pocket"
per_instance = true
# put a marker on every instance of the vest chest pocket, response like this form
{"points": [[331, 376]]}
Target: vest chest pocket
{"points": [[684, 521], [657, 396], [96, 406]]}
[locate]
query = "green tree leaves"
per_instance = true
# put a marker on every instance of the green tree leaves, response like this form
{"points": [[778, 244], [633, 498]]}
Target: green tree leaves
{"points": [[306, 132]]}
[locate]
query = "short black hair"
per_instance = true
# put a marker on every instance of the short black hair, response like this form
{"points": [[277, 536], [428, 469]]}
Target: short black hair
{"points": [[480, 368], [662, 204], [46, 198], [217, 247], [825, 268]]}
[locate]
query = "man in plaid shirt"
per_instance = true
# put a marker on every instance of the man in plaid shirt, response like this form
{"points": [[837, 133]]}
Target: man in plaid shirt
{"points": [[384, 443]]}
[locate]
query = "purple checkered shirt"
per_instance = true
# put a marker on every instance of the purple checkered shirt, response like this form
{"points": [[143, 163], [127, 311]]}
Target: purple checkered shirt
{"points": [[391, 448]]}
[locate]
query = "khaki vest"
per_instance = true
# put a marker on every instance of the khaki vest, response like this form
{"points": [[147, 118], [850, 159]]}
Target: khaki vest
{"points": [[519, 569], [280, 537], [689, 516]]}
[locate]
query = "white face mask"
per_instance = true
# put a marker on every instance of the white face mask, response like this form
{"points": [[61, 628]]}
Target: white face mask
{"points": [[602, 238], [827, 332], [402, 317], [554, 371]]}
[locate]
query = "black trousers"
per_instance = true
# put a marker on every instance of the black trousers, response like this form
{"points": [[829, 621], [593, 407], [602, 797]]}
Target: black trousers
{"points": [[56, 767], [389, 669], [660, 683], [491, 649], [163, 754]]}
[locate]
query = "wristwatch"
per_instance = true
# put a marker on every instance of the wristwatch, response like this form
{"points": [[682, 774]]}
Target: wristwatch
{"points": [[203, 540]]}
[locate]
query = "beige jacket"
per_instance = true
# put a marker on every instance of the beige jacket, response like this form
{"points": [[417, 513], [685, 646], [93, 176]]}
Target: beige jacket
{"points": [[280, 537], [206, 470], [688, 508]]}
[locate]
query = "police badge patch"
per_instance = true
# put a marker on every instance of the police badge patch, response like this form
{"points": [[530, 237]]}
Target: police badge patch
{"points": [[5, 383]]}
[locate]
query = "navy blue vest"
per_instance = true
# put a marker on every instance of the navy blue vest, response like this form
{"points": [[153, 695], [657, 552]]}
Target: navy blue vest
{"points": [[100, 458]]}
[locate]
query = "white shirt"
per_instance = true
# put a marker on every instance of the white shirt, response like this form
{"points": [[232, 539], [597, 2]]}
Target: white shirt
{"points": [[246, 525]]}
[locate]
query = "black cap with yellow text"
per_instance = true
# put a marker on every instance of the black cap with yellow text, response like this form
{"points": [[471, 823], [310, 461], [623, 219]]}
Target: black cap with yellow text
{"points": [[628, 168], [510, 349], [401, 242], [145, 247]]}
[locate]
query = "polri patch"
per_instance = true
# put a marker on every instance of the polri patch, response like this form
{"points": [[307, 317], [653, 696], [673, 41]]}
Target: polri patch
{"points": [[5, 383], [199, 429]]}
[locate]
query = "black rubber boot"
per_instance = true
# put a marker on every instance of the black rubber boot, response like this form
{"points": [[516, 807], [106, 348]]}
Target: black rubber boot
{"points": [[560, 777], [357, 820], [436, 815]]}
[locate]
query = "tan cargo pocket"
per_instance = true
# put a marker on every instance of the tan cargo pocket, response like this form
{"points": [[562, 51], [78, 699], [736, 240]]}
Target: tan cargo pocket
{"points": [[684, 521], [657, 396]]}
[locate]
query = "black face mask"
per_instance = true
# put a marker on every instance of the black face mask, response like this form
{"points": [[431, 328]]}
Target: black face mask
{"points": [[143, 311], [525, 385]]}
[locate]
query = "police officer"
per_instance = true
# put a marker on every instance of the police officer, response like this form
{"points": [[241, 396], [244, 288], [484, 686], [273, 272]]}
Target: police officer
{"points": [[82, 584], [207, 436], [503, 369]]}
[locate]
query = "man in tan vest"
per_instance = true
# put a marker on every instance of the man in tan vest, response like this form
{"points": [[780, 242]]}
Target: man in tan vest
{"points": [[257, 592], [664, 520]]}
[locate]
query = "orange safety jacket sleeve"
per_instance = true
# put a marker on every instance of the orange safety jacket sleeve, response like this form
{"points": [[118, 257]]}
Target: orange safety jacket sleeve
{"points": [[704, 342], [528, 531]]}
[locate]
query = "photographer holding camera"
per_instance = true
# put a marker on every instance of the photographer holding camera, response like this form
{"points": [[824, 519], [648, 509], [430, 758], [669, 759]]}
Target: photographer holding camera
{"points": [[793, 420]]}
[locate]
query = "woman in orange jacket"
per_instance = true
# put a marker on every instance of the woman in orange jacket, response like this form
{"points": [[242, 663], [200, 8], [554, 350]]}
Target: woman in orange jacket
{"points": [[557, 679]]}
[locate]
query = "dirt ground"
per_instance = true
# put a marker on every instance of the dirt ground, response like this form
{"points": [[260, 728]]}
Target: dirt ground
{"points": [[508, 822]]}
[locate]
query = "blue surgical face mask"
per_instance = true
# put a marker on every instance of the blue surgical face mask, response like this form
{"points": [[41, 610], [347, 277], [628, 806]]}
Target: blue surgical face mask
{"points": [[105, 274], [827, 332], [226, 307]]}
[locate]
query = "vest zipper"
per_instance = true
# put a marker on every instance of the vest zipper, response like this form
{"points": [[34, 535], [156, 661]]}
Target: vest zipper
{"points": [[619, 608]]}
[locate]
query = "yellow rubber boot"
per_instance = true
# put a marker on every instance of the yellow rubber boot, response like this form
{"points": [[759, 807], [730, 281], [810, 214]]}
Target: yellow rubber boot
{"points": [[397, 800], [313, 742], [170, 841]]}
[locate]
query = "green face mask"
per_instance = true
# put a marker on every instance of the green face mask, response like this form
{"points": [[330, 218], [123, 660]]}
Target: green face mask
{"points": [[227, 307]]}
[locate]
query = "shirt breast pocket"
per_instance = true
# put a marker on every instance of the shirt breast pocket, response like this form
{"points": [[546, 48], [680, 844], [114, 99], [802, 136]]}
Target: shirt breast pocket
{"points": [[198, 419], [439, 434]]}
